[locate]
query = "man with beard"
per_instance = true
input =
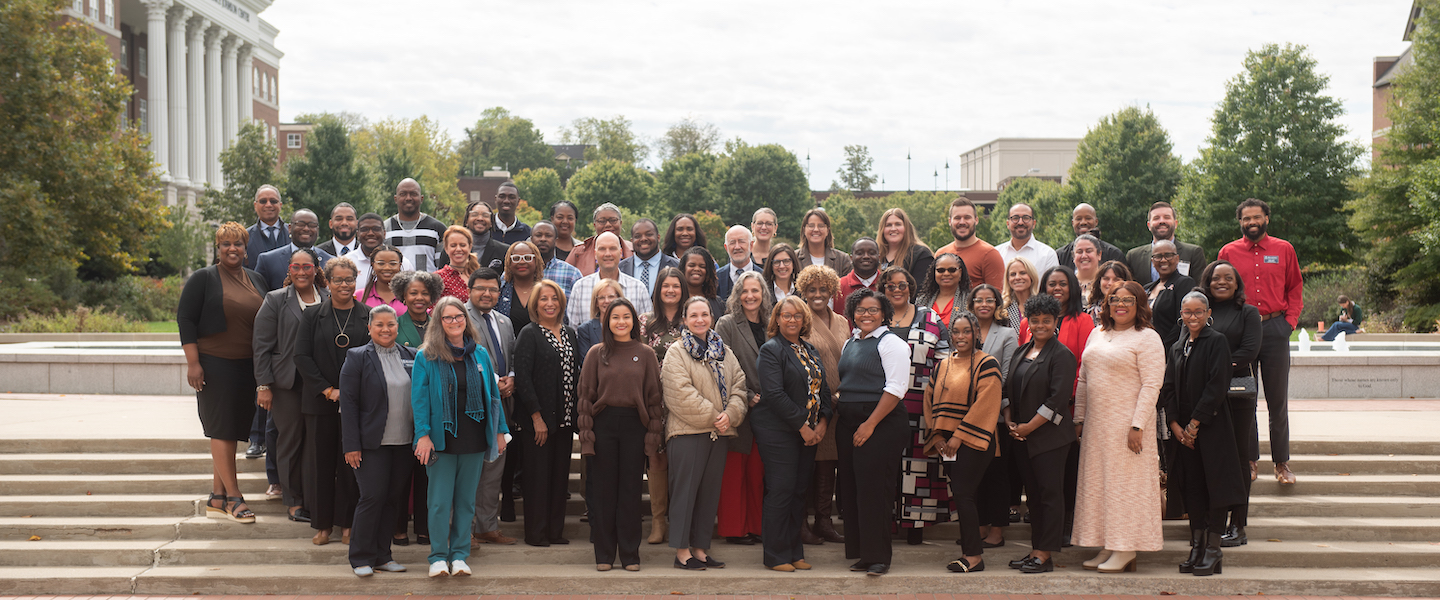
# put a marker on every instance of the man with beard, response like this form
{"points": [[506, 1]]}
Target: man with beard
{"points": [[982, 261], [342, 230], [274, 265], [606, 219], [490, 251], [1162, 226], [268, 232], [865, 270], [556, 270], [508, 227], [416, 234], [370, 232], [1273, 284], [1083, 221], [648, 260], [1021, 224]]}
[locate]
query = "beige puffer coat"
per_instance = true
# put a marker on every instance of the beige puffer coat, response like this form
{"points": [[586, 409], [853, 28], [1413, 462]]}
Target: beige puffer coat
{"points": [[692, 398]]}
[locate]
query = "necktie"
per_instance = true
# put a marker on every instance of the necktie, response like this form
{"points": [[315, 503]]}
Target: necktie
{"points": [[645, 273], [270, 235], [495, 343], [342, 251]]}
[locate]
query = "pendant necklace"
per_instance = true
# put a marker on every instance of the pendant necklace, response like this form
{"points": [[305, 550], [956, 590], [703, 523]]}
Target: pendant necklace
{"points": [[346, 337]]}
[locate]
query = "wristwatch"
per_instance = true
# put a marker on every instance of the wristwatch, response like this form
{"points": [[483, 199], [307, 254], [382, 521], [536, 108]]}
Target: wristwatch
{"points": [[262, 388]]}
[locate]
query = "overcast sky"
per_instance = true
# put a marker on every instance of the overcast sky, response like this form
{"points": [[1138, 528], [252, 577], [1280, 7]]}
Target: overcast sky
{"points": [[937, 78]]}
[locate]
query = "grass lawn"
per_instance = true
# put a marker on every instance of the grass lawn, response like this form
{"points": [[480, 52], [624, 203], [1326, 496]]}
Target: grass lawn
{"points": [[161, 327]]}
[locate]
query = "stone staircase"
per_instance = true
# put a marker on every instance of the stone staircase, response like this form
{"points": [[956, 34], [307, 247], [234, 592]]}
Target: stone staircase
{"points": [[127, 517]]}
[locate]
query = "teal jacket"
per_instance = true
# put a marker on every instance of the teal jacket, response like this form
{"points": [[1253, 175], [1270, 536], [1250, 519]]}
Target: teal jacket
{"points": [[426, 401]]}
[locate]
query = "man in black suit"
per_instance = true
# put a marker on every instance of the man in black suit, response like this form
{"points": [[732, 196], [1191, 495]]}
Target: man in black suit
{"points": [[1082, 221], [647, 261], [737, 246], [1162, 226], [342, 229], [481, 223], [268, 232], [275, 264], [497, 335]]}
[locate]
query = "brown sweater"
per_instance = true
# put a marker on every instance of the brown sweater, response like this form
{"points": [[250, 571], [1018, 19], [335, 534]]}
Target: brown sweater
{"points": [[632, 380], [950, 409]]}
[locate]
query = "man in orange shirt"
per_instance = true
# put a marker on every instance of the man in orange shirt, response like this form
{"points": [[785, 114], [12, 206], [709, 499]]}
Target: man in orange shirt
{"points": [[982, 260]]}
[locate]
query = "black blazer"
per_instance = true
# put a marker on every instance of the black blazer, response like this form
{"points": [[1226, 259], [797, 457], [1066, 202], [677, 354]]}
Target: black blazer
{"points": [[493, 254], [538, 378], [201, 311], [1241, 327], [257, 244], [319, 359], [785, 387], [1139, 259], [1166, 308], [365, 397], [1049, 384]]}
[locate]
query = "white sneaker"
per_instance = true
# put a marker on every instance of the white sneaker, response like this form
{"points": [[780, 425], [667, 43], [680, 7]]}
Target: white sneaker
{"points": [[438, 569], [459, 569]]}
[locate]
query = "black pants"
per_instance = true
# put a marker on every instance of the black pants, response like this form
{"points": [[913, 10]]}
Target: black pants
{"points": [[289, 445], [1197, 493], [330, 489], [965, 473], [416, 493], [789, 465], [1044, 476], [992, 498], [382, 478], [546, 484], [510, 476], [1242, 418], [616, 477], [1274, 370], [1072, 484], [869, 478]]}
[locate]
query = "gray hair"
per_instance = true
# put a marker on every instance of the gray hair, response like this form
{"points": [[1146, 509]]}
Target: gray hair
{"points": [[732, 304], [764, 210], [734, 228], [1197, 295], [267, 187], [402, 280], [1085, 237], [381, 309], [603, 207]]}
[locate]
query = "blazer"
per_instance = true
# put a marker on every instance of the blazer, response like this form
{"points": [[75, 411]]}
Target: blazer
{"points": [[428, 401], [201, 310], [1001, 344], [1139, 259], [727, 281], [409, 335], [734, 330], [257, 245], [1241, 328], [588, 334], [277, 326], [1046, 390], [1108, 252], [627, 266], [692, 396], [921, 259], [328, 246], [506, 334], [365, 398], [786, 389], [1166, 308], [319, 359], [274, 265], [539, 380], [493, 254]]}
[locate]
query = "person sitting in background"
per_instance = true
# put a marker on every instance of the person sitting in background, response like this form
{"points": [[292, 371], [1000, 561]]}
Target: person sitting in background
{"points": [[1348, 321]]}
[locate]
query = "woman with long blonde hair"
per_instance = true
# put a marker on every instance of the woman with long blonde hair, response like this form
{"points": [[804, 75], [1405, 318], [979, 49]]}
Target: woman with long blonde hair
{"points": [[899, 245]]}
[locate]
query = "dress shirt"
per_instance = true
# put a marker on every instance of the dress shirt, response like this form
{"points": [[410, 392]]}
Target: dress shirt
{"points": [[894, 358], [1043, 256], [653, 264], [1271, 273], [577, 308], [562, 273], [343, 249], [735, 273]]}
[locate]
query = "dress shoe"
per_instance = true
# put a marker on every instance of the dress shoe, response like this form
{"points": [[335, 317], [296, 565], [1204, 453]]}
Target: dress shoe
{"points": [[783, 568], [877, 569], [915, 536], [1283, 474], [632, 568], [1197, 550], [274, 492], [860, 566], [808, 537], [1254, 470], [364, 571], [423, 540], [603, 567], [256, 450], [1119, 562], [321, 538], [1038, 566], [1021, 562], [439, 569], [1234, 536], [391, 567], [742, 540], [299, 514], [755, 537], [712, 563], [826, 530], [989, 544], [689, 564], [960, 565], [495, 537], [1014, 515], [801, 564], [458, 568], [559, 541], [400, 541], [1094, 563]]}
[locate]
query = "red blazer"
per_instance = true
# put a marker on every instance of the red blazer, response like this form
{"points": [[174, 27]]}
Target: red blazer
{"points": [[1074, 333]]}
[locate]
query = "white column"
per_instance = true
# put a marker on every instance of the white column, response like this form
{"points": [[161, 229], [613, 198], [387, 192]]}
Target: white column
{"points": [[179, 117], [231, 104], [246, 64], [195, 38], [157, 114], [213, 142]]}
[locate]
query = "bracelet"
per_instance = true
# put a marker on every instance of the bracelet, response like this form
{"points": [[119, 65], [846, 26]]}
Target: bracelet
{"points": [[262, 388], [1134, 428]]}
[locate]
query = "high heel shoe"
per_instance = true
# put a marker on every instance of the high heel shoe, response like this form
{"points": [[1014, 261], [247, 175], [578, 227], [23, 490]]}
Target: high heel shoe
{"points": [[1094, 563], [1197, 550], [1119, 562]]}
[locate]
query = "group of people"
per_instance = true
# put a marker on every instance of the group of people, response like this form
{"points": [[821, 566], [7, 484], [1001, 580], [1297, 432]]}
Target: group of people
{"points": [[893, 387]]}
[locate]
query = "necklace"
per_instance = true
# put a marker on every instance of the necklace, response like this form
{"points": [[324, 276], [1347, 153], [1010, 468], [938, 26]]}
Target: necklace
{"points": [[342, 334]]}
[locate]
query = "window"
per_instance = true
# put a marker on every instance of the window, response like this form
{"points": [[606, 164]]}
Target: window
{"points": [[292, 140], [274, 89], [274, 133], [78, 6], [95, 10], [125, 54], [144, 62], [110, 13], [144, 116], [255, 81]]}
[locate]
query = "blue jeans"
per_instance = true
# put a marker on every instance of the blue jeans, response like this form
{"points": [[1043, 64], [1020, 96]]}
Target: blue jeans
{"points": [[454, 478], [1336, 328]]}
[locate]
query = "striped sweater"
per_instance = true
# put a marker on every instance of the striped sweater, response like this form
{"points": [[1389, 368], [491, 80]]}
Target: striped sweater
{"points": [[951, 408]]}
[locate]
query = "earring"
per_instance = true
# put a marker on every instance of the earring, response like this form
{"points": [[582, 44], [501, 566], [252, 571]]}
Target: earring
{"points": [[1210, 321]]}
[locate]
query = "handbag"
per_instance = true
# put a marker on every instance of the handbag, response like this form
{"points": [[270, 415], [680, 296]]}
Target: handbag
{"points": [[1244, 387]]}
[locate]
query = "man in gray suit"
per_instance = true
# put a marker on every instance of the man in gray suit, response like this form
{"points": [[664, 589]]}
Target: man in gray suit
{"points": [[1162, 224], [647, 261], [497, 335]]}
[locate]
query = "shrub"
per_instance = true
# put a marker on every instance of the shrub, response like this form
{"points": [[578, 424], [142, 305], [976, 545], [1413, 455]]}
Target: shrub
{"points": [[134, 297], [1422, 319], [20, 294], [80, 320], [1324, 284]]}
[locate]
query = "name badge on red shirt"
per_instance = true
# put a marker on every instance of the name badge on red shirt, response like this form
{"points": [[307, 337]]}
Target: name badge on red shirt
{"points": [[1272, 260]]}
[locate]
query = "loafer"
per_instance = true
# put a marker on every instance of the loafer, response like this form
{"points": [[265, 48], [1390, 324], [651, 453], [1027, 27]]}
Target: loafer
{"points": [[784, 568], [560, 541], [423, 540], [458, 568], [1020, 562], [400, 541], [690, 564], [636, 567], [364, 571], [1284, 475], [801, 565], [391, 567], [494, 537], [712, 563], [603, 567], [960, 565], [860, 566], [439, 569], [988, 544], [1014, 516], [299, 515], [877, 569], [743, 540], [1037, 566]]}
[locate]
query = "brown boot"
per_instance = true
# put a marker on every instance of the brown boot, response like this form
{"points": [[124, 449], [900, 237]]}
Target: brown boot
{"points": [[659, 504], [825, 479], [808, 537]]}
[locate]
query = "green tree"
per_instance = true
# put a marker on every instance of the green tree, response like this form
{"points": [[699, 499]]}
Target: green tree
{"points": [[1122, 166], [765, 175], [855, 172], [327, 174], [687, 184], [617, 182], [847, 219], [1398, 204], [352, 121], [540, 187], [505, 140], [74, 189], [1275, 137], [181, 246], [688, 136], [425, 152], [612, 139], [246, 165], [1046, 198]]}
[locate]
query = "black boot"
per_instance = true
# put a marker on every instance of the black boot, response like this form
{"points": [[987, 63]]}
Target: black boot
{"points": [[1234, 536], [1209, 563], [1197, 550]]}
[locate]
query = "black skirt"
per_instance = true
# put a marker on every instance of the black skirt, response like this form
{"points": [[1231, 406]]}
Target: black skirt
{"points": [[227, 403]]}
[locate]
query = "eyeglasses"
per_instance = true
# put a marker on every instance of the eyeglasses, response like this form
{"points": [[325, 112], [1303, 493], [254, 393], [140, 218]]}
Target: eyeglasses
{"points": [[759, 224], [452, 319], [485, 289], [868, 311], [978, 301], [608, 221], [947, 270], [343, 281], [267, 200], [897, 287], [302, 268], [522, 258], [1019, 218], [371, 229], [1122, 300], [507, 196], [782, 262], [1192, 314], [1163, 256], [792, 317]]}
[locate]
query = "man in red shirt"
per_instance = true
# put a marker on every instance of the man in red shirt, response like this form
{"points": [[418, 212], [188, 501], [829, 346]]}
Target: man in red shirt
{"points": [[865, 272], [1271, 275], [982, 260]]}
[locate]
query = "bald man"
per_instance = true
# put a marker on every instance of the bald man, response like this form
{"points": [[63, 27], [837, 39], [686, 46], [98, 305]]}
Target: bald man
{"points": [[1082, 221], [416, 234], [608, 251]]}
